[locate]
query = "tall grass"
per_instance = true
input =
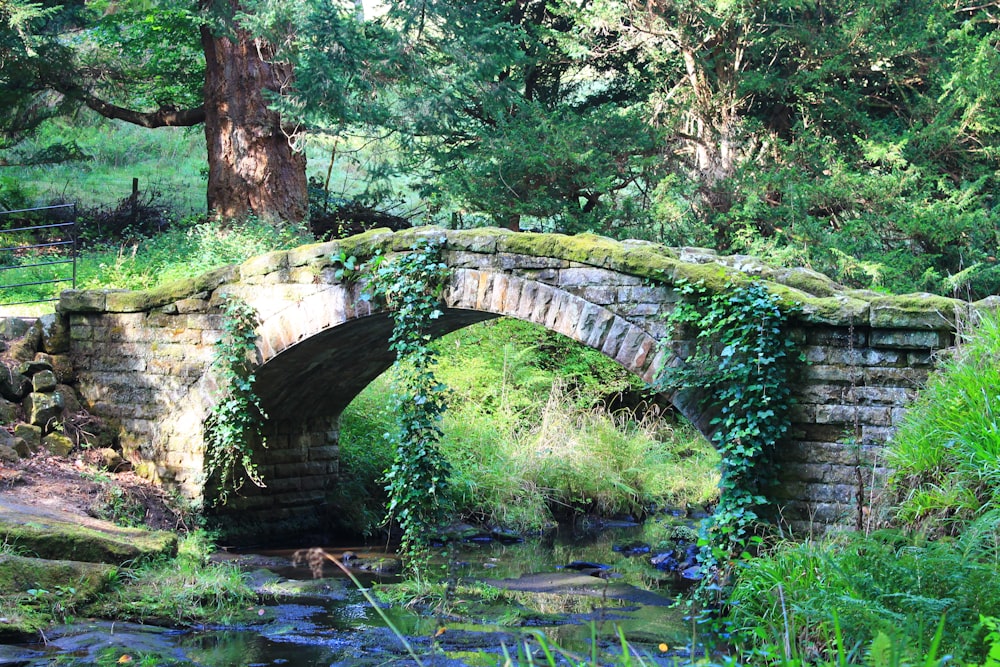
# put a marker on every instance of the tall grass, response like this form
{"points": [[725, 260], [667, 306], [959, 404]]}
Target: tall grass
{"points": [[170, 160], [181, 252], [946, 454], [530, 441], [185, 590]]}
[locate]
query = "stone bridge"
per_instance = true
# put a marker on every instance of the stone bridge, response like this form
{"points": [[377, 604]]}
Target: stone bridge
{"points": [[144, 358]]}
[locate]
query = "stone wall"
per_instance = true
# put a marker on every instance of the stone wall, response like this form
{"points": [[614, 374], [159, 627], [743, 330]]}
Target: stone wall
{"points": [[38, 408], [144, 357]]}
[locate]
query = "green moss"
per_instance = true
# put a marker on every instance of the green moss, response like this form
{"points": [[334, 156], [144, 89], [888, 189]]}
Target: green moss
{"points": [[917, 311], [838, 310], [118, 301], [19, 574], [51, 534]]}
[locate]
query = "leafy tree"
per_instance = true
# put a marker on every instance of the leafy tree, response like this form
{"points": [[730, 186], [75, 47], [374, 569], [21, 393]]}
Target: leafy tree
{"points": [[529, 114], [161, 64]]}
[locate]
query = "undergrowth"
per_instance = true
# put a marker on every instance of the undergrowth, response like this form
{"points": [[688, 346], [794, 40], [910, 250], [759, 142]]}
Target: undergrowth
{"points": [[528, 443], [946, 454], [799, 598], [185, 590]]}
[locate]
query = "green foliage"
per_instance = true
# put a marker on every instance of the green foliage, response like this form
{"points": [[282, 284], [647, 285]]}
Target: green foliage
{"points": [[234, 427], [740, 364], [182, 591], [946, 453], [808, 600], [410, 286], [528, 436], [188, 249]]}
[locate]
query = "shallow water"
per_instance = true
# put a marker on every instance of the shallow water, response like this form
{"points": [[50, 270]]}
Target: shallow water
{"points": [[331, 623]]}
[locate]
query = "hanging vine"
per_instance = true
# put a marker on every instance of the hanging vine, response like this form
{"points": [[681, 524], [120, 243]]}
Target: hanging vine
{"points": [[234, 427], [740, 365], [411, 286]]}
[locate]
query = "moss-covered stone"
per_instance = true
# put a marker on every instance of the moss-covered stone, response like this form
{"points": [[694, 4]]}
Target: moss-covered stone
{"points": [[58, 444], [52, 533], [30, 434], [19, 574], [124, 301], [264, 264], [84, 301], [32, 588], [25, 347], [43, 408], [55, 333], [915, 311], [9, 412], [14, 386]]}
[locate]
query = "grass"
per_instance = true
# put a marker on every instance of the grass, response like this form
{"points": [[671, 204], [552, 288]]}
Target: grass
{"points": [[183, 251], [186, 590], [529, 437], [169, 160], [946, 454], [810, 601]]}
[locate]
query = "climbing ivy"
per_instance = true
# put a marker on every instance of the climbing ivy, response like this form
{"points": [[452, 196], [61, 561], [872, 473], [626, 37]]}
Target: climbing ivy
{"points": [[234, 426], [410, 286], [740, 367]]}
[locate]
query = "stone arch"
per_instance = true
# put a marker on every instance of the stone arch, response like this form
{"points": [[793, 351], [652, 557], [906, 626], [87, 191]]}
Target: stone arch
{"points": [[336, 331]]}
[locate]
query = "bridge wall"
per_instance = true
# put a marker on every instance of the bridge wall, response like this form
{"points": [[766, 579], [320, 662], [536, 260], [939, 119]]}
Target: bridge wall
{"points": [[144, 359]]}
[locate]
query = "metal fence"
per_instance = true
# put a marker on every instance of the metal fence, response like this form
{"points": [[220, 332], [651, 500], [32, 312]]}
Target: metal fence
{"points": [[36, 259]]}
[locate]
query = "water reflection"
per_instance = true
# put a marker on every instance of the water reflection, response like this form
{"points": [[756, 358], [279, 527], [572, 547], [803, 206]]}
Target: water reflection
{"points": [[328, 622]]}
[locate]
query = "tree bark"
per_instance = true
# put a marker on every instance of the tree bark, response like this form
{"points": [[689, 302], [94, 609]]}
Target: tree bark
{"points": [[253, 168]]}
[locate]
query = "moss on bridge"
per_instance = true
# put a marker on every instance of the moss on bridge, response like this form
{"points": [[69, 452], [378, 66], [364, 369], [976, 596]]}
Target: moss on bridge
{"points": [[822, 301]]}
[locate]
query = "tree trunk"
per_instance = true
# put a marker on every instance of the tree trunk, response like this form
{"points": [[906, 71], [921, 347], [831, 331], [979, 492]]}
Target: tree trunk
{"points": [[252, 167]]}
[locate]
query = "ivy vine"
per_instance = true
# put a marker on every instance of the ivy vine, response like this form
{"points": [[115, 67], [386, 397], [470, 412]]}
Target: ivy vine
{"points": [[740, 367], [411, 287], [234, 427]]}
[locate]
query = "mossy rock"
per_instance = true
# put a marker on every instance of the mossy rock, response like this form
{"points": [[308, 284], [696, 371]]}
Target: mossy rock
{"points": [[31, 586], [52, 533]]}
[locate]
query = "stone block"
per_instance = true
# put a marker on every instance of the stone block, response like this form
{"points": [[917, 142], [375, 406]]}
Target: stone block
{"points": [[8, 454], [837, 337], [43, 381], [84, 301], [10, 411], [915, 311], [55, 333], [58, 444], [43, 409], [13, 327], [851, 414], [62, 366], [904, 339], [30, 434]]}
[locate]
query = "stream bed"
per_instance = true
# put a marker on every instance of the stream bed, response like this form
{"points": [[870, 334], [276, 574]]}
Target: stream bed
{"points": [[575, 587]]}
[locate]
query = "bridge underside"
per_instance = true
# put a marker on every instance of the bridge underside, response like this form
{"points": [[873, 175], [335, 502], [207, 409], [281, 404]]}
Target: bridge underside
{"points": [[320, 376]]}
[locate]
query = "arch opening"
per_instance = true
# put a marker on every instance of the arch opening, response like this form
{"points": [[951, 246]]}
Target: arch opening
{"points": [[540, 428]]}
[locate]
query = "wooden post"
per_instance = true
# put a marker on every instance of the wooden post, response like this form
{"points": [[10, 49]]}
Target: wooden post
{"points": [[134, 199]]}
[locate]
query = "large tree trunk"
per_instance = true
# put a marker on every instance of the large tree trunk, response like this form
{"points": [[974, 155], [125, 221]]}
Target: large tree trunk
{"points": [[252, 167]]}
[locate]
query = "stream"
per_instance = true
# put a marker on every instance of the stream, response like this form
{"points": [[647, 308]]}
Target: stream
{"points": [[609, 588]]}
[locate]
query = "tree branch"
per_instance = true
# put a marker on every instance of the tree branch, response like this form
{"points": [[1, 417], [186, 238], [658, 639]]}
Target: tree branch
{"points": [[162, 117]]}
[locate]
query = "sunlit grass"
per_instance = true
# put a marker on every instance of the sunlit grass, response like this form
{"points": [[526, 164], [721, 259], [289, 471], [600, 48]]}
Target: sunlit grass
{"points": [[946, 454], [527, 448], [179, 591]]}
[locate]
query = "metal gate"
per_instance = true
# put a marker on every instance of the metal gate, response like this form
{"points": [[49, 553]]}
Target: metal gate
{"points": [[36, 259]]}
